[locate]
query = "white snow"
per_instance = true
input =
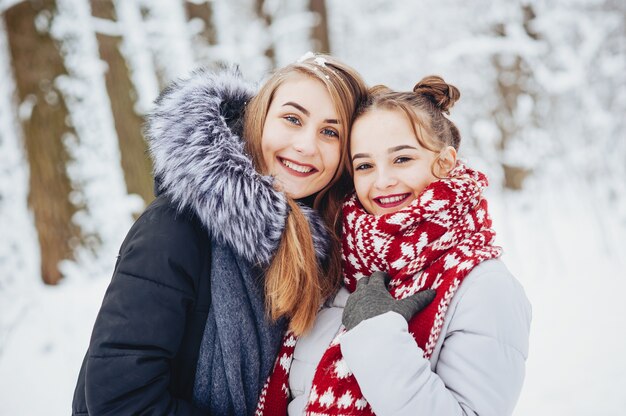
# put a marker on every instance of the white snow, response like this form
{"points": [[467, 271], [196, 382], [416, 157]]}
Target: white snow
{"points": [[46, 345], [168, 37], [564, 234], [137, 54], [573, 272]]}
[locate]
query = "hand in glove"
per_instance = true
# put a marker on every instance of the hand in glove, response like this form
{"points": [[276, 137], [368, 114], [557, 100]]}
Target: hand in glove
{"points": [[371, 298]]}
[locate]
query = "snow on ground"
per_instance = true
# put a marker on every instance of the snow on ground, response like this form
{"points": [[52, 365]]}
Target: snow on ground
{"points": [[574, 277], [555, 244], [39, 362]]}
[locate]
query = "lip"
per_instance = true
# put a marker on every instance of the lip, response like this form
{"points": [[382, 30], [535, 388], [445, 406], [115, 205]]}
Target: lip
{"points": [[293, 171], [394, 204]]}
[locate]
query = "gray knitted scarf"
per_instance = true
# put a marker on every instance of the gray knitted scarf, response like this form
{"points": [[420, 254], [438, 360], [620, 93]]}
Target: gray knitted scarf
{"points": [[200, 164]]}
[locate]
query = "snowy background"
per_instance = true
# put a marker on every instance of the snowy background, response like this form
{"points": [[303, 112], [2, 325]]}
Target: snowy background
{"points": [[542, 112]]}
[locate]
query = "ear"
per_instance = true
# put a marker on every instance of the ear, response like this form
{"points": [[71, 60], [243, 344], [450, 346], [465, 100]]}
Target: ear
{"points": [[446, 161]]}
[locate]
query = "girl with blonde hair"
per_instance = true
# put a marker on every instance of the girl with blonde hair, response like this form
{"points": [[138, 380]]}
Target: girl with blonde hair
{"points": [[239, 244]]}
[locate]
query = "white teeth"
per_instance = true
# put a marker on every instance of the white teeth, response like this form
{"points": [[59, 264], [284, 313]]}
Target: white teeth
{"points": [[392, 199], [297, 168]]}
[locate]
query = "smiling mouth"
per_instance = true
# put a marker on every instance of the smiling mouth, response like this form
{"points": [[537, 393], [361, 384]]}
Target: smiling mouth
{"points": [[297, 169], [391, 201]]}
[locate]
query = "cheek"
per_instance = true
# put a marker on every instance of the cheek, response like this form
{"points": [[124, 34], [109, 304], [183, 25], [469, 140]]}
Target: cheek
{"points": [[273, 133], [266, 137], [423, 179], [361, 187], [270, 141], [331, 154], [266, 151]]}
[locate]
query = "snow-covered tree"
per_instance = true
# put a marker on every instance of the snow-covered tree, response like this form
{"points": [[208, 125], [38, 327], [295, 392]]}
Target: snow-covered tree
{"points": [[136, 50], [19, 249], [583, 73], [525, 69], [202, 31], [94, 169], [125, 101], [168, 37], [36, 64], [242, 36], [291, 29], [261, 35]]}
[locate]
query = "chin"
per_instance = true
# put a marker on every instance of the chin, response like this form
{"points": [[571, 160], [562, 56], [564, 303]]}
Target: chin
{"points": [[299, 190], [295, 192]]}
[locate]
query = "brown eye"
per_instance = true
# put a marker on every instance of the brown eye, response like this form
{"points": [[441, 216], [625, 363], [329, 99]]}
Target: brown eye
{"points": [[363, 166], [402, 159]]}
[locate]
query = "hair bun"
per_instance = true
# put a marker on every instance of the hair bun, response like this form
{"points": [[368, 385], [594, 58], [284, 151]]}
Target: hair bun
{"points": [[442, 94]]}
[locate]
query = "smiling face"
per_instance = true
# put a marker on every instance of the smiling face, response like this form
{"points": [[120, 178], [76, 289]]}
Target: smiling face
{"points": [[390, 167], [301, 137]]}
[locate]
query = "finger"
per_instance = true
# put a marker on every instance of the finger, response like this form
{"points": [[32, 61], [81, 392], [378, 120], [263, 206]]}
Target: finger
{"points": [[362, 282], [418, 301], [380, 279]]}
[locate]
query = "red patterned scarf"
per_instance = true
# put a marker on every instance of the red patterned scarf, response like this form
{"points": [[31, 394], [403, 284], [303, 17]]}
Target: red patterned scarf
{"points": [[432, 243]]}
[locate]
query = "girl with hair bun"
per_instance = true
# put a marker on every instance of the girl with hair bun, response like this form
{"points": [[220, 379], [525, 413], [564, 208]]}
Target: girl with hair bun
{"points": [[429, 321]]}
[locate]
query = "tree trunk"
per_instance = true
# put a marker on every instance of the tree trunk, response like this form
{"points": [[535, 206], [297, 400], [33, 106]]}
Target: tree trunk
{"points": [[135, 160], [137, 53], [19, 248], [321, 42], [514, 80], [203, 40], [270, 53], [204, 12], [95, 170], [37, 63], [168, 37]]}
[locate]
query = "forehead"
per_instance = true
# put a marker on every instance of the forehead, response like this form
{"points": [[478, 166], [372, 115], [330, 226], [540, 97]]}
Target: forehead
{"points": [[305, 91], [379, 129]]}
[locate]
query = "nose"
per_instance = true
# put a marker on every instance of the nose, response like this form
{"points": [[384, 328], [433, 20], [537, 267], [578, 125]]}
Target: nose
{"points": [[305, 143], [385, 179]]}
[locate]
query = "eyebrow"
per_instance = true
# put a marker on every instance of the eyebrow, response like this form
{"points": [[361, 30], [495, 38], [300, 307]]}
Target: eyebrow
{"points": [[401, 147], [390, 150], [307, 113]]}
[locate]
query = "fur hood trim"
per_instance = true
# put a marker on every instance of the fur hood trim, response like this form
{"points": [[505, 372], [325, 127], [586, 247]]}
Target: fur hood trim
{"points": [[200, 164]]}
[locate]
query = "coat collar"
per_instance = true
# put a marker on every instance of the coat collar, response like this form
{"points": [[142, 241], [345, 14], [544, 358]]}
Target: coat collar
{"points": [[194, 138]]}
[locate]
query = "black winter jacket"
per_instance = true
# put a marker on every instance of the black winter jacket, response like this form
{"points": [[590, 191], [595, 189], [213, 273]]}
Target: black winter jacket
{"points": [[145, 344], [151, 321]]}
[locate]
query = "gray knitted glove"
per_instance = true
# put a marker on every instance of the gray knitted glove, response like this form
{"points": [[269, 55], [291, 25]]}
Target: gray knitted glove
{"points": [[371, 298]]}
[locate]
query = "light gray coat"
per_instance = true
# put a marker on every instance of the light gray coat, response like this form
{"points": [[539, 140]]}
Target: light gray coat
{"points": [[477, 367]]}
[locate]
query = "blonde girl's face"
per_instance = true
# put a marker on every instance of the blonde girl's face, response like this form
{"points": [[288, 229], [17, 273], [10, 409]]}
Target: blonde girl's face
{"points": [[390, 167], [301, 137]]}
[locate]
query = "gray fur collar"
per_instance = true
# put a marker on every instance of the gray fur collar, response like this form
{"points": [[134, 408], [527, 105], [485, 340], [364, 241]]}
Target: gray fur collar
{"points": [[199, 163]]}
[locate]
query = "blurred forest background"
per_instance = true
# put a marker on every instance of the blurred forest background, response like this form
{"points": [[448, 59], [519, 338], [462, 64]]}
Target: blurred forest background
{"points": [[543, 108]]}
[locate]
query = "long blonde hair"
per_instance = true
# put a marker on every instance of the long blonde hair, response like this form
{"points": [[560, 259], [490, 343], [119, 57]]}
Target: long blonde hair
{"points": [[295, 282]]}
